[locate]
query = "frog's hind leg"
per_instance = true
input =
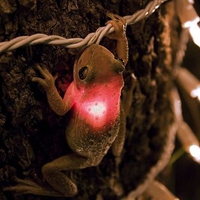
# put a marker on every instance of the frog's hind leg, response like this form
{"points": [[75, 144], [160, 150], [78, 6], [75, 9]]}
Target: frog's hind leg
{"points": [[54, 174], [59, 184]]}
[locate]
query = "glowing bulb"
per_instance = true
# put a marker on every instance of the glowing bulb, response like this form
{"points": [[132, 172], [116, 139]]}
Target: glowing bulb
{"points": [[195, 93], [195, 152], [97, 109], [96, 113], [185, 135], [189, 140], [191, 23], [195, 33]]}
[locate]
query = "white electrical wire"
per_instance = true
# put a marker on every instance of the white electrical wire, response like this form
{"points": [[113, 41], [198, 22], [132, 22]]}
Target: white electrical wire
{"points": [[77, 42]]}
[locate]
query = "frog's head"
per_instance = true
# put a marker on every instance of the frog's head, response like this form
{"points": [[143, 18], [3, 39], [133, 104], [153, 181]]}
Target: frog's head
{"points": [[96, 64]]}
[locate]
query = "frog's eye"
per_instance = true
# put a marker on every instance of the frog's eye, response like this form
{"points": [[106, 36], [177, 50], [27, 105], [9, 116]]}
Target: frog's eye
{"points": [[83, 72]]}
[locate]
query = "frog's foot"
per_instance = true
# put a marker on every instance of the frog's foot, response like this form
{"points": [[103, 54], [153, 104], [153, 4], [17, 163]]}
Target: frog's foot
{"points": [[30, 187], [119, 24], [116, 18], [48, 82], [116, 186]]}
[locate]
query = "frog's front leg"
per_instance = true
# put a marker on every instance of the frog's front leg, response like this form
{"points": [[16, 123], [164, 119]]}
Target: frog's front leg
{"points": [[53, 173], [57, 104], [119, 24]]}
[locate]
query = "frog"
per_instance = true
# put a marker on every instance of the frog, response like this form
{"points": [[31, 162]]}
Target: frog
{"points": [[97, 119]]}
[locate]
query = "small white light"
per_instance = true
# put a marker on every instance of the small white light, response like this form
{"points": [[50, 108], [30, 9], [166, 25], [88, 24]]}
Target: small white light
{"points": [[188, 82], [195, 93], [191, 23], [195, 152], [191, 1], [195, 33], [188, 139]]}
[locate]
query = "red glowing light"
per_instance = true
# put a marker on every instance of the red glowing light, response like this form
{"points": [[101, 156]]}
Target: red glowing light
{"points": [[95, 112], [97, 109], [98, 105]]}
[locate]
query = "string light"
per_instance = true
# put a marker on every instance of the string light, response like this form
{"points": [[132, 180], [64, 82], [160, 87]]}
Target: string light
{"points": [[91, 38], [189, 18]]}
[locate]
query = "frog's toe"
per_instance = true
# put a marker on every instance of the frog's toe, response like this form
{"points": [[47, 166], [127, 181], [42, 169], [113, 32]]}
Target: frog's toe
{"points": [[19, 189], [116, 18], [30, 187], [25, 182], [23, 186]]}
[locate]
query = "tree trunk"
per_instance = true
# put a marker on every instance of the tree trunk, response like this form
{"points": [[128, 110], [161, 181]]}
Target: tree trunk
{"points": [[32, 135]]}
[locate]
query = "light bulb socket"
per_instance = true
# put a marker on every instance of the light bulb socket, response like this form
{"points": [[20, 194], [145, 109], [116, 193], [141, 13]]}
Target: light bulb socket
{"points": [[186, 13], [186, 136], [186, 80]]}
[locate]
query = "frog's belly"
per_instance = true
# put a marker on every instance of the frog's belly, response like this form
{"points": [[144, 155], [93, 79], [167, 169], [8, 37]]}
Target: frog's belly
{"points": [[90, 142]]}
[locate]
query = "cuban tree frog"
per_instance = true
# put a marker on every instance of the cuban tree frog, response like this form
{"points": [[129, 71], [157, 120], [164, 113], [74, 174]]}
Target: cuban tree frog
{"points": [[96, 121]]}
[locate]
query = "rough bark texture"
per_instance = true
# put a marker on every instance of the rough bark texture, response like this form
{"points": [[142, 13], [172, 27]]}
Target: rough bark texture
{"points": [[32, 135]]}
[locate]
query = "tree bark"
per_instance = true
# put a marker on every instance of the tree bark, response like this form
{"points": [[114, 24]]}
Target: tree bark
{"points": [[32, 135]]}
